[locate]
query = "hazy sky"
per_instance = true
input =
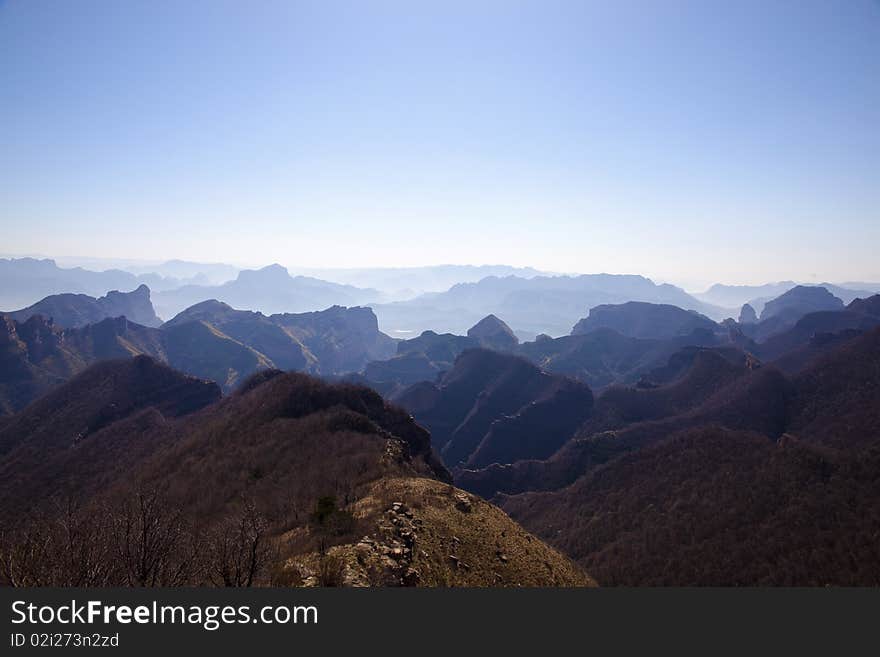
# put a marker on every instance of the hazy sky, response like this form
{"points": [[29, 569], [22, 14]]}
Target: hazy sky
{"points": [[689, 141]]}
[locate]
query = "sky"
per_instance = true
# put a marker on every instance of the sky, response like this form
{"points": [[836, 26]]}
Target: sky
{"points": [[693, 142]]}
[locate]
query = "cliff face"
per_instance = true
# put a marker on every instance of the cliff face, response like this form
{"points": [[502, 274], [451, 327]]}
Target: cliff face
{"points": [[135, 306], [341, 339], [76, 310]]}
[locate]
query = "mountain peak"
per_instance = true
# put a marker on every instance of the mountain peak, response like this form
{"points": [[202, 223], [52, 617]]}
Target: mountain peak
{"points": [[801, 300], [494, 333], [274, 270], [641, 319], [747, 314], [868, 306], [489, 325], [273, 273]]}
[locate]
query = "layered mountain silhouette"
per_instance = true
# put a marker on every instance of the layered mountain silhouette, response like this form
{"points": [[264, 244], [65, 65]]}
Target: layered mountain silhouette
{"points": [[714, 389], [735, 296], [605, 353], [24, 281], [38, 355], [818, 332], [76, 310], [401, 283], [604, 356], [132, 474], [188, 273], [426, 357], [535, 305], [269, 290], [649, 442], [785, 310], [210, 340]]}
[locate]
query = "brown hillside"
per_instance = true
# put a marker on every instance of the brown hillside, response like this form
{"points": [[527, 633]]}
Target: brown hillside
{"points": [[716, 507], [295, 472]]}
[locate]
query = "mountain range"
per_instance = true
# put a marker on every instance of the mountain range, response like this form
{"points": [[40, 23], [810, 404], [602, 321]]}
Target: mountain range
{"points": [[24, 281], [290, 481], [771, 480], [402, 283], [269, 290], [407, 300], [740, 452], [734, 296], [542, 304], [210, 340], [77, 310]]}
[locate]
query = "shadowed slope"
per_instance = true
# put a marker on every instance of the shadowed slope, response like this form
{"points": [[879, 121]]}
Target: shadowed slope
{"points": [[304, 475], [791, 498], [490, 405], [716, 507]]}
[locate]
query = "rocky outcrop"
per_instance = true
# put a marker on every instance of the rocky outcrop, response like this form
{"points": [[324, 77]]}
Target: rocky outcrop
{"points": [[270, 290], [341, 339], [491, 333], [747, 315], [76, 310], [435, 535]]}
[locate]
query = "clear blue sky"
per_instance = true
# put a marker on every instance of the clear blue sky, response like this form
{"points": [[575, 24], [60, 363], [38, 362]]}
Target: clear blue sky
{"points": [[689, 141]]}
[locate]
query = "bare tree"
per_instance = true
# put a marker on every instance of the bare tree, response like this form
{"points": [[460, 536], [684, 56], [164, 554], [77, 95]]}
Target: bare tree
{"points": [[24, 555], [152, 544], [69, 546], [239, 548], [83, 548]]}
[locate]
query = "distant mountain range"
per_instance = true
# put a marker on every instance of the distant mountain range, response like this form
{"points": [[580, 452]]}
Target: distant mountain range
{"points": [[530, 301], [530, 306], [734, 296], [269, 290], [622, 343], [24, 281], [179, 270], [191, 272], [615, 343], [401, 283], [647, 428]]}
